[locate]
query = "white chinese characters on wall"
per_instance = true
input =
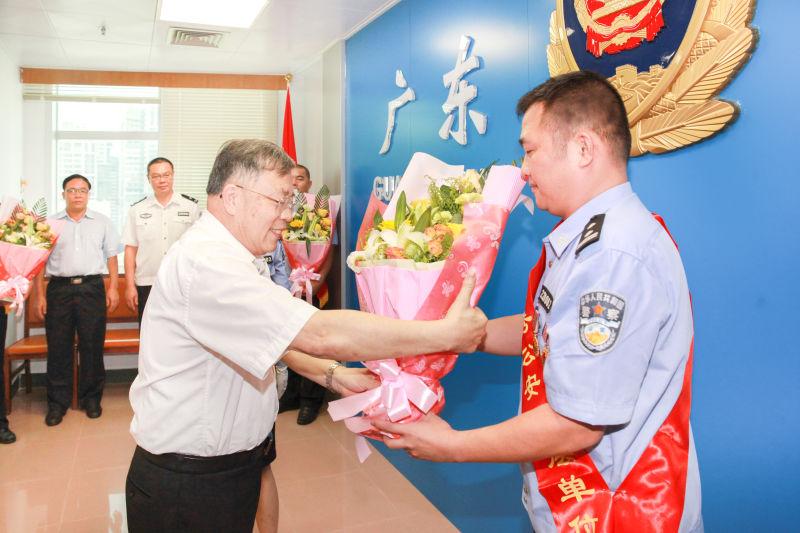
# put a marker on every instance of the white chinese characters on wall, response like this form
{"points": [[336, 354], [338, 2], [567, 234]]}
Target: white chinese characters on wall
{"points": [[461, 93], [407, 96]]}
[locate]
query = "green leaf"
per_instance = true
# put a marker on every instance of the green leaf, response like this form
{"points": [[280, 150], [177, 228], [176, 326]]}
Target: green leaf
{"points": [[485, 173], [299, 201], [424, 220], [308, 248], [400, 212], [39, 209], [377, 218], [322, 199]]}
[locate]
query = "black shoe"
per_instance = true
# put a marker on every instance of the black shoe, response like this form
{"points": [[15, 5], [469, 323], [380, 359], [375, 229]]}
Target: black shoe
{"points": [[7, 436], [92, 408], [307, 414], [54, 416], [288, 405]]}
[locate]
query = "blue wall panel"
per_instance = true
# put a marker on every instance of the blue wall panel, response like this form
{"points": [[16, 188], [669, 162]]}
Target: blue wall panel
{"points": [[731, 203]]}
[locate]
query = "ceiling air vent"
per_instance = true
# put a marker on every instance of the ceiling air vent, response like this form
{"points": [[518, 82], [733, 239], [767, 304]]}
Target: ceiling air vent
{"points": [[191, 37]]}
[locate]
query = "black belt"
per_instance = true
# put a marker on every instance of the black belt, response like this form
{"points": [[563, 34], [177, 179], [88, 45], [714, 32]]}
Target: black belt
{"points": [[74, 280], [192, 464]]}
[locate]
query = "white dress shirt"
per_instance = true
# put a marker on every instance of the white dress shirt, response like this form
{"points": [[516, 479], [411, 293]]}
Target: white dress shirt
{"points": [[211, 333], [153, 228], [83, 247]]}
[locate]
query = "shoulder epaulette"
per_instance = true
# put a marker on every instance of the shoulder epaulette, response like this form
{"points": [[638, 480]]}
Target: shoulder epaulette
{"points": [[138, 201], [189, 198], [591, 232]]}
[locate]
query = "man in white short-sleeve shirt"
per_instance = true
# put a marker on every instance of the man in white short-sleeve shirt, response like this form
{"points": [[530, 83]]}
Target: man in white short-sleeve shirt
{"points": [[205, 399]]}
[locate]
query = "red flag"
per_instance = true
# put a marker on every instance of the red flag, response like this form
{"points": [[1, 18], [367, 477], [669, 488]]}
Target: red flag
{"points": [[288, 128]]}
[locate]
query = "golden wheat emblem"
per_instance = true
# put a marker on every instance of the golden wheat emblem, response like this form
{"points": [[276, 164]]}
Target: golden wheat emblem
{"points": [[673, 106]]}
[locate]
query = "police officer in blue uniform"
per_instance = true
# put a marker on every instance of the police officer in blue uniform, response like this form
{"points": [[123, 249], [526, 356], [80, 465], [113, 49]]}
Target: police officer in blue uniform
{"points": [[76, 301], [613, 320]]}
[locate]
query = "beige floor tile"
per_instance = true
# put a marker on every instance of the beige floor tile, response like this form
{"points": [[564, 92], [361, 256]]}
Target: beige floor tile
{"points": [[97, 524], [310, 458], [100, 452], [28, 505], [26, 461], [342, 500], [114, 421], [95, 494]]}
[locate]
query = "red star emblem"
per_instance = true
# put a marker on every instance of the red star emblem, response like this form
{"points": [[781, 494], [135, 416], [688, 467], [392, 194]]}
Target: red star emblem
{"points": [[598, 309]]}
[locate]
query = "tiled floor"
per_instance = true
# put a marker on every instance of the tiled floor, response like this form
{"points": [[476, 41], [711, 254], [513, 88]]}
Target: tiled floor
{"points": [[71, 478]]}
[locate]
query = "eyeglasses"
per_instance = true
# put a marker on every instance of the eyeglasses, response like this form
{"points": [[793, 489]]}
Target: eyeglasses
{"points": [[73, 190], [281, 205], [165, 175]]}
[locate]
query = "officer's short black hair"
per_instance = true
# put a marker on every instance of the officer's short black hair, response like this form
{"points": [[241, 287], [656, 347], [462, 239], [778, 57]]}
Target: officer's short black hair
{"points": [[582, 98], [159, 160], [308, 172], [75, 177]]}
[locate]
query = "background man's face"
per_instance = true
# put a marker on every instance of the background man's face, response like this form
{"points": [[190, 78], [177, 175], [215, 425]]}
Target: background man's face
{"points": [[76, 194], [301, 180], [160, 176]]}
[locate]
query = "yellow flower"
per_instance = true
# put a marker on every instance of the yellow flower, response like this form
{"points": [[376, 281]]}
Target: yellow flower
{"points": [[387, 224], [326, 222], [296, 224], [455, 228], [322, 212]]}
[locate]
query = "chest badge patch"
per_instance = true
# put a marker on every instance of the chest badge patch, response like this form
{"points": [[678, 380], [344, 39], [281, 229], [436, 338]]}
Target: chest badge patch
{"points": [[183, 213], [601, 315], [145, 215]]}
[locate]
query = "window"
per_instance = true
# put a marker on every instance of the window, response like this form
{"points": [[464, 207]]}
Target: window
{"points": [[107, 134]]}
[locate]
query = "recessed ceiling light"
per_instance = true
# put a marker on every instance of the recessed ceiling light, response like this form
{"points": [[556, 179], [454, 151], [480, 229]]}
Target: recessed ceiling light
{"points": [[229, 13]]}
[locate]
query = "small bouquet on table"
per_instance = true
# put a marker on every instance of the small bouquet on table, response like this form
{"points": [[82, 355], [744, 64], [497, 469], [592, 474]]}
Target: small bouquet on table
{"points": [[307, 240], [26, 239], [410, 262]]}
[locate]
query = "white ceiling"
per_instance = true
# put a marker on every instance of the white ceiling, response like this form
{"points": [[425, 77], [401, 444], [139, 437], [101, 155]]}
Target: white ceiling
{"points": [[287, 36]]}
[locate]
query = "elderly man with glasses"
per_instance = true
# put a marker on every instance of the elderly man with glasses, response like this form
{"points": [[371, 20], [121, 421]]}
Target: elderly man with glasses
{"points": [[76, 301], [205, 399]]}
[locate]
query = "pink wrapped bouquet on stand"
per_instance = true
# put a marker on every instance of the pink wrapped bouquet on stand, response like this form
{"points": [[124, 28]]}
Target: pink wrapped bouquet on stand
{"points": [[308, 240], [26, 239], [410, 262]]}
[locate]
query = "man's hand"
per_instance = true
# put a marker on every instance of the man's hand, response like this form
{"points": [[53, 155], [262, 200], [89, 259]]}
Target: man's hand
{"points": [[465, 324], [40, 307], [112, 298], [349, 381], [132, 298], [430, 438]]}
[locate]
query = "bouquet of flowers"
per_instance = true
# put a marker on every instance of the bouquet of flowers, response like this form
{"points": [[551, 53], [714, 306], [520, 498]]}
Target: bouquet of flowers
{"points": [[307, 240], [410, 262], [26, 239]]}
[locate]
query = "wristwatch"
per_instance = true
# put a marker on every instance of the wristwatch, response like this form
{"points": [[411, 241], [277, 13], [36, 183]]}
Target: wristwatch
{"points": [[329, 374]]}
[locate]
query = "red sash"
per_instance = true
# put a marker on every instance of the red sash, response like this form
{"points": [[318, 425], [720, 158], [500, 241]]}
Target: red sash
{"points": [[650, 498]]}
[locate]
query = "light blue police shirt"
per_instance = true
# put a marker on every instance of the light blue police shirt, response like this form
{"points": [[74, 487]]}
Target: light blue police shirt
{"points": [[83, 247], [277, 266], [629, 376]]}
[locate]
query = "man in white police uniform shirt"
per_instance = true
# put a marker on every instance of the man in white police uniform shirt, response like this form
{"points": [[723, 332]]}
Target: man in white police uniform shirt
{"points": [[205, 400], [153, 224], [603, 435]]}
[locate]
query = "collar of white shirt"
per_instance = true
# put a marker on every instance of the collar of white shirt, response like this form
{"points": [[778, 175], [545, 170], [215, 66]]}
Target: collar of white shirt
{"points": [[209, 224], [152, 201], [89, 214], [561, 237]]}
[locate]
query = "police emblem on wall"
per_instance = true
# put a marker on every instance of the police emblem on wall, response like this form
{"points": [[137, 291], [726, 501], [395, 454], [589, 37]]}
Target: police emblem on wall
{"points": [[667, 58], [600, 320]]}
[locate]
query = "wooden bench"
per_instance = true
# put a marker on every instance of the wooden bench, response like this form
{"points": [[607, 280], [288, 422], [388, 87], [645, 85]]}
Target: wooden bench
{"points": [[117, 341]]}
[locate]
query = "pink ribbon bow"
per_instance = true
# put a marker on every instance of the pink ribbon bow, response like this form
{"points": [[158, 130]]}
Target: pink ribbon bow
{"points": [[301, 278], [398, 390], [15, 288]]}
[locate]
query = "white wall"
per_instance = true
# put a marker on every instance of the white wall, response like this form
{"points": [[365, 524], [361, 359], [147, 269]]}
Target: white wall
{"points": [[10, 148]]}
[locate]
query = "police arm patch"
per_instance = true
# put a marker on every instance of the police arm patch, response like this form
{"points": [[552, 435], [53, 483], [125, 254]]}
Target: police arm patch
{"points": [[600, 321]]}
